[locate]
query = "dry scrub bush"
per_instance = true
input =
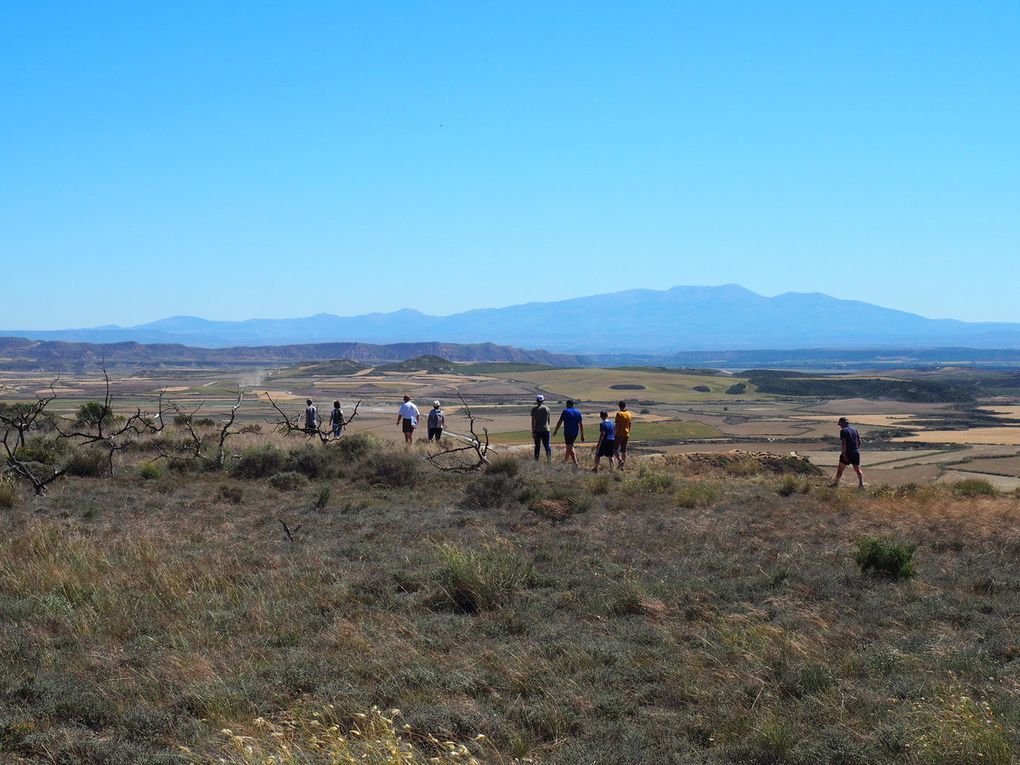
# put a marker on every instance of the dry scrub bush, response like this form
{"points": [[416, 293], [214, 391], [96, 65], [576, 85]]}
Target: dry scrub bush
{"points": [[8, 494], [973, 487], [88, 463], [321, 740], [483, 580]]}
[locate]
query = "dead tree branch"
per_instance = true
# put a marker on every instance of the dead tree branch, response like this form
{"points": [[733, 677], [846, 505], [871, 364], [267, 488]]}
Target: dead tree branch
{"points": [[286, 424], [463, 459], [17, 421]]}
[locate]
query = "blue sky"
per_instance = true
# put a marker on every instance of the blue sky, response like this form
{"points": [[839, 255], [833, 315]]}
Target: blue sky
{"points": [[282, 159]]}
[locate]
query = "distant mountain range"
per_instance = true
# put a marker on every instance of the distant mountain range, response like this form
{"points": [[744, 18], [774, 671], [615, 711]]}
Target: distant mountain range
{"points": [[659, 322]]}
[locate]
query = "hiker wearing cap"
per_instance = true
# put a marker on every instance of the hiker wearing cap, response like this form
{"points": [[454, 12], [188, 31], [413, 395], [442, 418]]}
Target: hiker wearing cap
{"points": [[311, 417], [407, 419], [570, 419], [850, 452], [540, 416], [623, 423], [436, 422], [606, 447], [336, 419]]}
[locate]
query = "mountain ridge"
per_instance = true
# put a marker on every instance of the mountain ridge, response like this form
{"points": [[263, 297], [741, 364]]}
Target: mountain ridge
{"points": [[678, 319]]}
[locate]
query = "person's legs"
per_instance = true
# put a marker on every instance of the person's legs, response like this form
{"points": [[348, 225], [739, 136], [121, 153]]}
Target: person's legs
{"points": [[547, 443], [839, 473], [537, 438], [860, 475], [621, 451]]}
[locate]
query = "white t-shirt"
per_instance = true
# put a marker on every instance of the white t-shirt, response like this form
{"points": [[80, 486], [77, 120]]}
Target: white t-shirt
{"points": [[409, 412]]}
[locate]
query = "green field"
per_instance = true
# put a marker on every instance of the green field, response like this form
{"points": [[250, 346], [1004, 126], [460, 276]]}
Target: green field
{"points": [[641, 431], [665, 387]]}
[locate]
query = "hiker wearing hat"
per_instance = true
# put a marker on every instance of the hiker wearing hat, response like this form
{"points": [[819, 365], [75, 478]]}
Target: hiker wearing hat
{"points": [[407, 419], [436, 422], [850, 452], [540, 416]]}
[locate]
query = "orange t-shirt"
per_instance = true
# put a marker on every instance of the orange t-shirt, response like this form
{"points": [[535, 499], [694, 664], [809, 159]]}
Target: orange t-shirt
{"points": [[623, 420]]}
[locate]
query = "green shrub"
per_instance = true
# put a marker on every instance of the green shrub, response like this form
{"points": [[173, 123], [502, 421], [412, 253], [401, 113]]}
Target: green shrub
{"points": [[648, 482], [287, 480], [792, 485], [394, 469], [149, 471], [357, 446], [483, 580], [886, 556], [88, 463], [8, 494], [312, 461], [695, 495], [231, 493], [490, 490], [323, 497], [258, 462], [973, 487], [46, 450], [503, 465], [737, 389]]}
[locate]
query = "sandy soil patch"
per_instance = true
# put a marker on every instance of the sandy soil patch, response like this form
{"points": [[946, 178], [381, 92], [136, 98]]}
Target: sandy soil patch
{"points": [[1009, 436]]}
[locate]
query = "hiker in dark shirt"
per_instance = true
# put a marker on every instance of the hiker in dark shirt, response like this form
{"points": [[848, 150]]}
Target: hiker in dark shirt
{"points": [[540, 416], [336, 420], [850, 452]]}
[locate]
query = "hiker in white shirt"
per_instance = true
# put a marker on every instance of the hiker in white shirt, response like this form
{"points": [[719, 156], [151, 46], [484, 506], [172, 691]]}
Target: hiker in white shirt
{"points": [[407, 419]]}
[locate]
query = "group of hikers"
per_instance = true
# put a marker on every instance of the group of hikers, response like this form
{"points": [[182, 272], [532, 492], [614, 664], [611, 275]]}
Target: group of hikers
{"points": [[611, 444]]}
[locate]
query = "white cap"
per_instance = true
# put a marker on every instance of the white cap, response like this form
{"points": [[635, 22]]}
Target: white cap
{"points": [[435, 404], [539, 397]]}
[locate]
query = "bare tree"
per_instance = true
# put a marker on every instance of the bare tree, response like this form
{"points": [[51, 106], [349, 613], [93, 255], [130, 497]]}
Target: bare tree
{"points": [[284, 423], [463, 459], [97, 424], [18, 420], [197, 447]]}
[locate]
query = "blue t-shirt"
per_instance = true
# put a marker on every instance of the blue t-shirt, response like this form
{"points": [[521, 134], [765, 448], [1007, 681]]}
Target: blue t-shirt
{"points": [[608, 430], [571, 421], [851, 440]]}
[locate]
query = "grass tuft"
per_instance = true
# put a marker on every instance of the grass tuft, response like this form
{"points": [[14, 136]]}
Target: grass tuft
{"points": [[483, 580], [885, 556]]}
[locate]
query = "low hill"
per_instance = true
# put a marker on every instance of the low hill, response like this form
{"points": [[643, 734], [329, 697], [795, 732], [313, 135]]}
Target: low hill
{"points": [[58, 356], [427, 363], [331, 368]]}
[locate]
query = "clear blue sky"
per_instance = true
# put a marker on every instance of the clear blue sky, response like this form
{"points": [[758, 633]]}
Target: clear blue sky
{"points": [[233, 160]]}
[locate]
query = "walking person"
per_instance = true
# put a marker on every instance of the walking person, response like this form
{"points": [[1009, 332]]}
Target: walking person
{"points": [[311, 417], [850, 452], [623, 423], [573, 425], [336, 420], [540, 416], [436, 422], [407, 419], [606, 447]]}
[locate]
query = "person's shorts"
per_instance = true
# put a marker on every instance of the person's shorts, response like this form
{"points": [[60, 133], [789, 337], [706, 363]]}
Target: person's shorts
{"points": [[607, 449], [435, 434], [850, 459], [407, 427], [569, 438]]}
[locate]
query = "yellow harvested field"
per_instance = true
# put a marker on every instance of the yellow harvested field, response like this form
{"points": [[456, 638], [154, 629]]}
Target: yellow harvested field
{"points": [[1002, 411], [1005, 436]]}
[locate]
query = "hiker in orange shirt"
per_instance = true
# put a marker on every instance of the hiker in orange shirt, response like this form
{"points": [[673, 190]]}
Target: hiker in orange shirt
{"points": [[623, 423]]}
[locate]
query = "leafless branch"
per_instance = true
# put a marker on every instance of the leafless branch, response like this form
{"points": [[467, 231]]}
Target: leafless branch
{"points": [[463, 459], [288, 425]]}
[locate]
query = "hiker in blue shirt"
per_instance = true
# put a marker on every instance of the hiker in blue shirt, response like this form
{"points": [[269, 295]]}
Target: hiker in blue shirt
{"points": [[570, 419], [850, 452], [606, 447]]}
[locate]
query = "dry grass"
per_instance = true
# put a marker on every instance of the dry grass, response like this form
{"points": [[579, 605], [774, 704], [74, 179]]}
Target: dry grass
{"points": [[683, 615]]}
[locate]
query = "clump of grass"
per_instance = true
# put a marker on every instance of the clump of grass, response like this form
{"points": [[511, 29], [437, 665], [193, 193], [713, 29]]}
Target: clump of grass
{"points": [[649, 482], [357, 446], [885, 556], [743, 467], [973, 487], [287, 480], [231, 493], [792, 485], [88, 463], [956, 730], [322, 739], [694, 494], [629, 597], [322, 498], [485, 579], [149, 471], [490, 490], [8, 494], [503, 466], [392, 469]]}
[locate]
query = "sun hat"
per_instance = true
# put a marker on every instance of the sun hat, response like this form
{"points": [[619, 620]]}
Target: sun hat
{"points": [[539, 397], [435, 404]]}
